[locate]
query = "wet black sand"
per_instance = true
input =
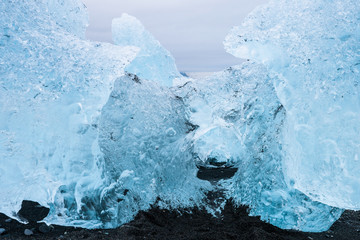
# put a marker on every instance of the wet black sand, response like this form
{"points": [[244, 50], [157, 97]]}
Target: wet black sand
{"points": [[234, 223]]}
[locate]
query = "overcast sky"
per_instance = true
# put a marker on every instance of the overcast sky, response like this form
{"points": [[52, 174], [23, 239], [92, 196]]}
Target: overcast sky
{"points": [[192, 30]]}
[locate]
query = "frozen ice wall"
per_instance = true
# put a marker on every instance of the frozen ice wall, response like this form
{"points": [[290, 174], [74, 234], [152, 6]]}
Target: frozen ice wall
{"points": [[153, 62], [53, 85], [145, 140], [313, 47], [240, 121]]}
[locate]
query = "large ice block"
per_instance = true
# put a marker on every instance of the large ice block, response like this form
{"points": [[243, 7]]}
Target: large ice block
{"points": [[144, 135], [313, 47], [96, 153], [53, 85], [93, 152], [240, 121]]}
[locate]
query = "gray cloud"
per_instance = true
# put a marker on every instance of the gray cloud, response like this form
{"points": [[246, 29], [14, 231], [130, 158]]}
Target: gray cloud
{"points": [[193, 31]]}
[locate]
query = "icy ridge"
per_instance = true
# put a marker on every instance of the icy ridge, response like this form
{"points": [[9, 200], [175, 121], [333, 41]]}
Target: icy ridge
{"points": [[153, 62]]}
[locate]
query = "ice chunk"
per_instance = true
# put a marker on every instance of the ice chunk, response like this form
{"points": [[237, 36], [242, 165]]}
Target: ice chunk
{"points": [[240, 123], [96, 153], [313, 47], [143, 135], [153, 62], [212, 101], [53, 85]]}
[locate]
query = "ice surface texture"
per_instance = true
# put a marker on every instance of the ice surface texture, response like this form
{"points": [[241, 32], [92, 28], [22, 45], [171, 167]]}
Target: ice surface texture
{"points": [[96, 153], [240, 123], [53, 85], [144, 136], [153, 62], [94, 166], [313, 47]]}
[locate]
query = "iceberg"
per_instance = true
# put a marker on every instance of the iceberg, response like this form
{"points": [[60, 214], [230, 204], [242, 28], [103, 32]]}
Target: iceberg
{"points": [[53, 84], [144, 135], [313, 49], [240, 122], [153, 62], [68, 138], [98, 132]]}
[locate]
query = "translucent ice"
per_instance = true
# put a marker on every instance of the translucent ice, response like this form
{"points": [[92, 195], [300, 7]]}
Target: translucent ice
{"points": [[144, 135], [314, 49], [153, 62], [240, 122], [93, 157], [96, 152], [53, 85], [213, 104]]}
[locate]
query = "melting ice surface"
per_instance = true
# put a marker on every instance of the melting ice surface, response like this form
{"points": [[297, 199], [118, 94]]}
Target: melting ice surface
{"points": [[97, 145], [313, 47], [147, 152], [240, 122], [53, 86]]}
